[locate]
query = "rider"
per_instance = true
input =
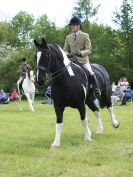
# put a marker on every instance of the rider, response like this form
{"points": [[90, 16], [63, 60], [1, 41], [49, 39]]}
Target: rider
{"points": [[78, 45], [23, 69]]}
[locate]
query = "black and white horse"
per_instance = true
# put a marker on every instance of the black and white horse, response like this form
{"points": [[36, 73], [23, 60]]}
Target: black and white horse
{"points": [[71, 87]]}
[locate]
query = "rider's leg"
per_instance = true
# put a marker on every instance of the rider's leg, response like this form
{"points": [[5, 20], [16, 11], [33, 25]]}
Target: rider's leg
{"points": [[97, 92], [18, 84]]}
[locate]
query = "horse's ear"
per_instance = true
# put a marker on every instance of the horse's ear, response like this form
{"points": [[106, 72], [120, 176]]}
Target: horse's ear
{"points": [[36, 43], [44, 43]]}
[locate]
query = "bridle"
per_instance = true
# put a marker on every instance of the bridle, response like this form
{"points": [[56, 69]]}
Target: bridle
{"points": [[55, 74]]}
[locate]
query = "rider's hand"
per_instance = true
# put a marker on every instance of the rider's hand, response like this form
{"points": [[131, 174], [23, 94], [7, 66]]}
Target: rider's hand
{"points": [[77, 54], [70, 55]]}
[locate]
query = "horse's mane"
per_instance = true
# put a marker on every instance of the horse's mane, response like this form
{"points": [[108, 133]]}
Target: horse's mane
{"points": [[56, 50]]}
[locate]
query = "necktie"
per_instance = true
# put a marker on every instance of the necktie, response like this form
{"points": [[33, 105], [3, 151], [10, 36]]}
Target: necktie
{"points": [[75, 36]]}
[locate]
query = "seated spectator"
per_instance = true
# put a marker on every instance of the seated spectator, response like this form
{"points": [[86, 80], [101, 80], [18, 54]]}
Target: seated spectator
{"points": [[49, 95], [113, 87], [3, 97], [14, 95], [117, 95], [124, 84], [128, 95]]}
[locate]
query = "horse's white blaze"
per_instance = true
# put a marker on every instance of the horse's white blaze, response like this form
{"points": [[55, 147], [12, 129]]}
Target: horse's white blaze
{"points": [[67, 62], [38, 59], [56, 142]]}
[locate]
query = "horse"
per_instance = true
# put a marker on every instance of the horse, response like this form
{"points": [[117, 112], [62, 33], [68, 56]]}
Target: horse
{"points": [[28, 87], [70, 86]]}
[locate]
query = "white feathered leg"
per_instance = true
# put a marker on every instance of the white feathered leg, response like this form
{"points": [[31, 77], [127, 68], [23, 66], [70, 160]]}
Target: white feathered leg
{"points": [[56, 142], [87, 130], [99, 122], [114, 121]]}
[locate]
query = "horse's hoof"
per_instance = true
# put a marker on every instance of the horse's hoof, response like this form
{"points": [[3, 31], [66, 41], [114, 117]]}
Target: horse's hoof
{"points": [[116, 125], [99, 132], [54, 146], [87, 139]]}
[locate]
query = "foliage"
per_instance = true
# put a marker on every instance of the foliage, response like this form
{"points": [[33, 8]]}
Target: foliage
{"points": [[110, 48], [85, 10]]}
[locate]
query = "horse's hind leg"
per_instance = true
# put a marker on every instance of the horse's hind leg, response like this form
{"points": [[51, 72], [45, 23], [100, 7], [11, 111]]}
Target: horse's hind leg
{"points": [[114, 121], [84, 120], [59, 114], [96, 112]]}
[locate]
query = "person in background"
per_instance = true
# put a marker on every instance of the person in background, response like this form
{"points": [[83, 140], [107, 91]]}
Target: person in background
{"points": [[49, 95], [113, 88], [3, 97], [14, 95], [23, 69], [117, 95], [124, 84], [128, 95]]}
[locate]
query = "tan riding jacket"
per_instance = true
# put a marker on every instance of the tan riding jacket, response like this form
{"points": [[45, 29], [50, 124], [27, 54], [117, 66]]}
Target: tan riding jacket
{"points": [[82, 43]]}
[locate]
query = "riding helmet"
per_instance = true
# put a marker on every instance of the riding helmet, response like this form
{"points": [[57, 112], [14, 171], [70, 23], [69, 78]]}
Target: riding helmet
{"points": [[75, 21]]}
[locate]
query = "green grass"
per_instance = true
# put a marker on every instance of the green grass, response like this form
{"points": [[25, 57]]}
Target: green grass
{"points": [[25, 139]]}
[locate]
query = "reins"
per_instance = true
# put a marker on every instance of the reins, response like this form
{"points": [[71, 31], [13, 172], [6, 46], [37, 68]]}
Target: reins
{"points": [[58, 72]]}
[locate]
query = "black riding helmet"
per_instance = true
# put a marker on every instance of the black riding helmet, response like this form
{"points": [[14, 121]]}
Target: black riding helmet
{"points": [[75, 21]]}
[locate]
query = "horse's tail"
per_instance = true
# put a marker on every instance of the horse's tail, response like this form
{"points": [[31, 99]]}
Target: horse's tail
{"points": [[104, 84], [105, 100]]}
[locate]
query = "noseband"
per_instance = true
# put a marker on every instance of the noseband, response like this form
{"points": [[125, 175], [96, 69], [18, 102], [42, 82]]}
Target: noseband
{"points": [[56, 73]]}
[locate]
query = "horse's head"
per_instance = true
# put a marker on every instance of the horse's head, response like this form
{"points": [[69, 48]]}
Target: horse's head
{"points": [[42, 59]]}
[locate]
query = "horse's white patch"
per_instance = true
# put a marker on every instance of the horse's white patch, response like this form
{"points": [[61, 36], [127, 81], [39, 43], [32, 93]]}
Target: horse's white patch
{"points": [[84, 90], [38, 59], [67, 62], [38, 56]]}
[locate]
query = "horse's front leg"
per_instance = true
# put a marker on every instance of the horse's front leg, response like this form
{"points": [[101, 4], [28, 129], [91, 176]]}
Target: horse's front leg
{"points": [[84, 120], [29, 102], [59, 115]]}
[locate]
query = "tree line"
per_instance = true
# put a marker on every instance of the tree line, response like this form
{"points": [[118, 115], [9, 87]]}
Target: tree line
{"points": [[110, 47]]}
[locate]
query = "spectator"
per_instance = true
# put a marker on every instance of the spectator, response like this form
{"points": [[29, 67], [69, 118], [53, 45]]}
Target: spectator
{"points": [[120, 81], [124, 84], [128, 95], [49, 95], [14, 95], [113, 88], [117, 95], [3, 97]]}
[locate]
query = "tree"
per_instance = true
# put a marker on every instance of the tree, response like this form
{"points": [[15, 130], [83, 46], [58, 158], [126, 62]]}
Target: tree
{"points": [[85, 10], [21, 27], [4, 29], [124, 20]]}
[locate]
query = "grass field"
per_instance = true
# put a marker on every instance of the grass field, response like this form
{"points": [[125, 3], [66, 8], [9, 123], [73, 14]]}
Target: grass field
{"points": [[25, 138]]}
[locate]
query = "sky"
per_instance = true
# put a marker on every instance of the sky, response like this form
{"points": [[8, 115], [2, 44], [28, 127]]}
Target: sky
{"points": [[58, 11]]}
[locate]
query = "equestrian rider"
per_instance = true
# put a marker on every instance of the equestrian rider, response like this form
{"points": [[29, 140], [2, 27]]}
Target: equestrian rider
{"points": [[78, 45], [23, 69]]}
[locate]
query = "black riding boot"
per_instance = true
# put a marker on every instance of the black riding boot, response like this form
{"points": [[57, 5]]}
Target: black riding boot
{"points": [[96, 92]]}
